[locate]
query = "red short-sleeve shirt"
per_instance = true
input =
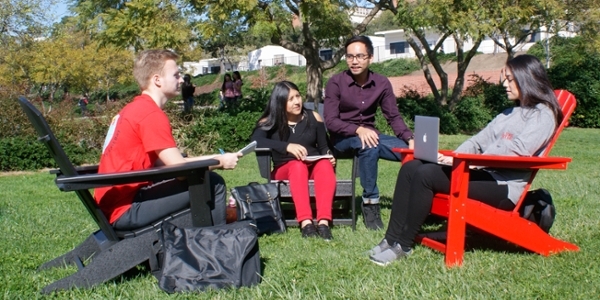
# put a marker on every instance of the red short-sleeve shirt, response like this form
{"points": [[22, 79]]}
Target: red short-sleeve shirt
{"points": [[140, 129]]}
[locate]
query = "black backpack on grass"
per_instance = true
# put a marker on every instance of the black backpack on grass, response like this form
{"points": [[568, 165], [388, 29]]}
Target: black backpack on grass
{"points": [[539, 209]]}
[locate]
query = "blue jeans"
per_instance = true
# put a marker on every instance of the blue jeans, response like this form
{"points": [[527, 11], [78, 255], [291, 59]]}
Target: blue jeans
{"points": [[367, 160], [188, 104]]}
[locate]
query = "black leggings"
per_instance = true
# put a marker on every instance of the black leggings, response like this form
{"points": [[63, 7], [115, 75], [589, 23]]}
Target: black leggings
{"points": [[163, 198], [418, 181]]}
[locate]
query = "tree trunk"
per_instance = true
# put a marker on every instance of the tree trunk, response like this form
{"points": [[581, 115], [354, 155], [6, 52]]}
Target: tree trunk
{"points": [[441, 98], [107, 92], [222, 60], [462, 63], [314, 79]]}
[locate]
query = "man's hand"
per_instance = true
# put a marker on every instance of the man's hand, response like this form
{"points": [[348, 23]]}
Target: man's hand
{"points": [[411, 144], [368, 137], [228, 161], [297, 151], [332, 160]]}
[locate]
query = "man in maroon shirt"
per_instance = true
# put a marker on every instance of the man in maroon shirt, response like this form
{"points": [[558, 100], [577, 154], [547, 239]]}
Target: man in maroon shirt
{"points": [[351, 101]]}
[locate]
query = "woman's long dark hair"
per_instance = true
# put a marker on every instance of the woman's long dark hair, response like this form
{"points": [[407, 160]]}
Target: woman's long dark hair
{"points": [[223, 85], [533, 84], [275, 117], [236, 76]]}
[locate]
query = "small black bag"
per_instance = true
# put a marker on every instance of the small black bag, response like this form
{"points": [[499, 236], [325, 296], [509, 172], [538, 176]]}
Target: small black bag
{"points": [[539, 209], [260, 202], [206, 257]]}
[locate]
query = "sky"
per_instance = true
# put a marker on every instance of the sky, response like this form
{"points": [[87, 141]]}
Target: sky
{"points": [[60, 10]]}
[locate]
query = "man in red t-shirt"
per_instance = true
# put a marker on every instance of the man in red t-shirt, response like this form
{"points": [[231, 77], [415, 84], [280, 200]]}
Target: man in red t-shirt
{"points": [[140, 137]]}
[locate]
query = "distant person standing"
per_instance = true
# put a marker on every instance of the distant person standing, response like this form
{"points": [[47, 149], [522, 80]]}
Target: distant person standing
{"points": [[227, 93], [237, 86], [83, 102], [187, 93]]}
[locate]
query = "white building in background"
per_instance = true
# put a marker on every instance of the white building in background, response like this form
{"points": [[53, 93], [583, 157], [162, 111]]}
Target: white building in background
{"points": [[358, 14], [272, 55], [396, 46], [213, 66]]}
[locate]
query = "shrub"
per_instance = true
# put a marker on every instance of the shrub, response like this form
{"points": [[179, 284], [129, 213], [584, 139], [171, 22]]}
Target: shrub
{"points": [[574, 68], [494, 95], [471, 114], [580, 77], [395, 67], [413, 104], [24, 153], [208, 130]]}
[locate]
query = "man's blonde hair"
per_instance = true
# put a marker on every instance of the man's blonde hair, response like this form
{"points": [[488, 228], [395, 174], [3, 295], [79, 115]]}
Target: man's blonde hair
{"points": [[150, 62]]}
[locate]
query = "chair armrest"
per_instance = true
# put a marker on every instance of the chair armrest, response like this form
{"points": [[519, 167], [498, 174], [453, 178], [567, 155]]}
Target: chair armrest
{"points": [[406, 154], [511, 162], [91, 169], [88, 181], [497, 161], [263, 158]]}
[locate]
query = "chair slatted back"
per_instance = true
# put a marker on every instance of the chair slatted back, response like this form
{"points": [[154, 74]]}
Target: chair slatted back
{"points": [[567, 104], [46, 136]]}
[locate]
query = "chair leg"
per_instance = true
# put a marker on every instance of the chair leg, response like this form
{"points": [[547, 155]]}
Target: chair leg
{"points": [[353, 178], [81, 253], [109, 263]]}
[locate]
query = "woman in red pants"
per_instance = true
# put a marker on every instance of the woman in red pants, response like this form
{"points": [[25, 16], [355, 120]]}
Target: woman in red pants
{"points": [[295, 135]]}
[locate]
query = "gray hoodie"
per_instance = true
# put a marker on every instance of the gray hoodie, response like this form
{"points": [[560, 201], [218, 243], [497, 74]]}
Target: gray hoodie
{"points": [[517, 131]]}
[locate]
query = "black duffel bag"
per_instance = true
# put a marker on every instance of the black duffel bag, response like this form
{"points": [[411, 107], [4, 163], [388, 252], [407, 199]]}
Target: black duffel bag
{"points": [[190, 259]]}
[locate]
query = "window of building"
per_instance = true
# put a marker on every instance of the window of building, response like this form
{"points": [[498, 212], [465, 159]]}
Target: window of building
{"points": [[326, 54], [535, 37], [398, 47]]}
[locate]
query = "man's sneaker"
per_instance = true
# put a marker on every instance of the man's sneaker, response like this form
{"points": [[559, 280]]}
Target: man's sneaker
{"points": [[390, 255], [382, 246], [309, 231], [372, 216], [325, 232]]}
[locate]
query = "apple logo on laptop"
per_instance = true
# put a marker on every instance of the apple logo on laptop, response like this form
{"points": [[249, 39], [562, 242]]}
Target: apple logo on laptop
{"points": [[425, 138]]}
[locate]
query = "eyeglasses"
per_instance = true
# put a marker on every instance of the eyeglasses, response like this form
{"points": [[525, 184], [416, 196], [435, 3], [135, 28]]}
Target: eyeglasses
{"points": [[360, 57]]}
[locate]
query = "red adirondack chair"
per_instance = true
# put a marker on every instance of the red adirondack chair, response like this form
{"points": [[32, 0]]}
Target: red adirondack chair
{"points": [[507, 225]]}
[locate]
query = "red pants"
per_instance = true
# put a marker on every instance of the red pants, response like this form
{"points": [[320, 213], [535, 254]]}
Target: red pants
{"points": [[298, 173]]}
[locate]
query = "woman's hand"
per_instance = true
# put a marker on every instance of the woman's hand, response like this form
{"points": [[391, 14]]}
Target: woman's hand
{"points": [[332, 161], [297, 151], [445, 160]]}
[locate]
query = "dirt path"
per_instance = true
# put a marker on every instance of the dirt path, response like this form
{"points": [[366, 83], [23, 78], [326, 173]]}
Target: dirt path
{"points": [[487, 66]]}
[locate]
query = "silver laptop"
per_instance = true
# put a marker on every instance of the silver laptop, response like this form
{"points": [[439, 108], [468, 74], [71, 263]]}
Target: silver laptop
{"points": [[427, 133]]}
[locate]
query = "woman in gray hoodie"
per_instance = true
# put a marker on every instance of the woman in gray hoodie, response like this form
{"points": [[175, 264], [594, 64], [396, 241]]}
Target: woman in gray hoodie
{"points": [[523, 130]]}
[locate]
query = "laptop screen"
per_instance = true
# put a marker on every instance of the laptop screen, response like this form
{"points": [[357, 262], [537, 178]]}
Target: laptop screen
{"points": [[427, 131]]}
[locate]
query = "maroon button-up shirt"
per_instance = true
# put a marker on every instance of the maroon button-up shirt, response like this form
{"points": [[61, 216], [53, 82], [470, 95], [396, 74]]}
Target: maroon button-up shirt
{"points": [[348, 105]]}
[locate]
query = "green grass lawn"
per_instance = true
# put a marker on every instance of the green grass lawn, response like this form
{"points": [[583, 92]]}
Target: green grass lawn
{"points": [[39, 222]]}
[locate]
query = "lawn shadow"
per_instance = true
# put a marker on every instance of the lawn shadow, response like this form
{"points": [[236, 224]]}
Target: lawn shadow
{"points": [[434, 227]]}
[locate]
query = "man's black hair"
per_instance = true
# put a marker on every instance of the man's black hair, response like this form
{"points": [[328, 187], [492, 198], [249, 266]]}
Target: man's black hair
{"points": [[361, 39]]}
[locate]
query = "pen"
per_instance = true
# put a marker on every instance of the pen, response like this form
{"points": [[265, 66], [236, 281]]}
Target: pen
{"points": [[221, 150]]}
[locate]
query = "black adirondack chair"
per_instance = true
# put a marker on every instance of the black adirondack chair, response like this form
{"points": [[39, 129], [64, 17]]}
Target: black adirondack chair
{"points": [[112, 252]]}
